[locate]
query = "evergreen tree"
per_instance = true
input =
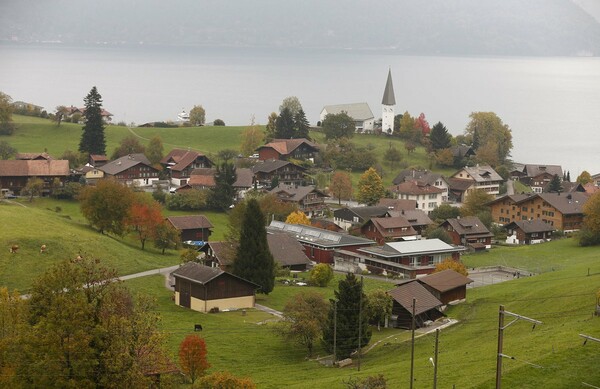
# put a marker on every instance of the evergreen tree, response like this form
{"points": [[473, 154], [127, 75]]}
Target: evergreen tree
{"points": [[301, 124], [253, 259], [439, 137], [568, 176], [284, 125], [223, 194], [476, 140], [555, 184], [348, 298], [92, 139]]}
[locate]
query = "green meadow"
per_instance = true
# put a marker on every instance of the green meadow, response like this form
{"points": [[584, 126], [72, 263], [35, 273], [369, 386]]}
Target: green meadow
{"points": [[550, 356]]}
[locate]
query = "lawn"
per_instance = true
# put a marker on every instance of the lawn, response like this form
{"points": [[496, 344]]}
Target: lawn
{"points": [[562, 299]]}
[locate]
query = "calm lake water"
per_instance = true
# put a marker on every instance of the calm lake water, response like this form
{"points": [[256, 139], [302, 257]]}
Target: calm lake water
{"points": [[552, 105]]}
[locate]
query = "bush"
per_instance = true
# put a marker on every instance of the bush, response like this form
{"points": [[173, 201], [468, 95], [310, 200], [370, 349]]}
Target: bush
{"points": [[588, 238], [7, 128], [68, 192], [189, 200], [218, 122], [321, 275], [159, 195]]}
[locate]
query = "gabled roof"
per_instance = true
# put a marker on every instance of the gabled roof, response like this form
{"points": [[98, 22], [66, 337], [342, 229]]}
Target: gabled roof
{"points": [[388, 94], [286, 249], [33, 156], [459, 184], [415, 217], [392, 226], [272, 165], [287, 146], [223, 251], [404, 294], [244, 178], [34, 168], [531, 226], [532, 170], [295, 194], [202, 177], [201, 274], [480, 173], [415, 188], [515, 198], [398, 204], [121, 164], [357, 111], [424, 176], [566, 203], [179, 159], [460, 151], [445, 280], [191, 222], [98, 158], [469, 225], [363, 213]]}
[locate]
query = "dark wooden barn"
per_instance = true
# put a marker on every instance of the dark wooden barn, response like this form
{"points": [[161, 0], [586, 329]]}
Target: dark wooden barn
{"points": [[426, 306]]}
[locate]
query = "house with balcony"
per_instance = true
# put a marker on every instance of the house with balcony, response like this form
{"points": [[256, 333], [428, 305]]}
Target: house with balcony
{"points": [[132, 169], [424, 176], [479, 177], [387, 229], [350, 217], [428, 197], [181, 163], [300, 149], [308, 199], [468, 231], [14, 174], [284, 172]]}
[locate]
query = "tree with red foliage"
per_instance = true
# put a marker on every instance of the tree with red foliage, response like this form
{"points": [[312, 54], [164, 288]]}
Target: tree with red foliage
{"points": [[192, 357], [422, 124], [144, 218]]}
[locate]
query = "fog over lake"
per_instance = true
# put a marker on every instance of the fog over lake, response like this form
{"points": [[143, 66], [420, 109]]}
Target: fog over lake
{"points": [[552, 104]]}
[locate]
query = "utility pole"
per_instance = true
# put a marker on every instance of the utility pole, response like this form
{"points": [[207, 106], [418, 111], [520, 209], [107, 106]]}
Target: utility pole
{"points": [[360, 320], [435, 358], [587, 337], [412, 345], [334, 331], [501, 328]]}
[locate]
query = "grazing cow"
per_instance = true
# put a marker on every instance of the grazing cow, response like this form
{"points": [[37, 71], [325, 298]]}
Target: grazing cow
{"points": [[43, 249], [14, 248]]}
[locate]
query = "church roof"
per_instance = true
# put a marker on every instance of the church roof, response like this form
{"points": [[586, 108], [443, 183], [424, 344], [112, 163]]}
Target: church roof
{"points": [[388, 93], [357, 111]]}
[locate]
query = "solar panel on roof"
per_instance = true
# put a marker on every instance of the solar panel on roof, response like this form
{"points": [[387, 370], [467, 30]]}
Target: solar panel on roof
{"points": [[294, 228], [312, 233], [277, 224], [331, 237]]}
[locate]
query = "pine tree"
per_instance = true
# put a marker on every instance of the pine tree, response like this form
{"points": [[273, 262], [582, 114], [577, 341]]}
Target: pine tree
{"points": [[284, 125], [555, 184], [92, 139], [253, 259], [348, 298], [301, 124], [439, 136], [223, 194]]}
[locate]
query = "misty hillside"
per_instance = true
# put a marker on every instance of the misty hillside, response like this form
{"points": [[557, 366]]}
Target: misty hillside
{"points": [[494, 27]]}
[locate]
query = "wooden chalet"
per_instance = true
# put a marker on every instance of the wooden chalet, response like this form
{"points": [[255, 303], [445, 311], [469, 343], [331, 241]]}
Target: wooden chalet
{"points": [[132, 169], [301, 149], [386, 229], [97, 160], [349, 217], [204, 288], [418, 219], [14, 174], [447, 285], [319, 244], [192, 228], [424, 176], [284, 172], [426, 308], [563, 211], [408, 259], [308, 199], [528, 231], [480, 177], [468, 231], [180, 163]]}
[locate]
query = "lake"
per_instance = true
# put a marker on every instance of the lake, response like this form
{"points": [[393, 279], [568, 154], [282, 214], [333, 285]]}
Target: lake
{"points": [[552, 104]]}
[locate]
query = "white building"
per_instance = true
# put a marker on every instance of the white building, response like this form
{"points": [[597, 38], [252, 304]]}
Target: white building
{"points": [[360, 112]]}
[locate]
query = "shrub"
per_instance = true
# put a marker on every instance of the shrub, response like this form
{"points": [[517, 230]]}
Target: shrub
{"points": [[218, 122], [321, 275], [189, 200]]}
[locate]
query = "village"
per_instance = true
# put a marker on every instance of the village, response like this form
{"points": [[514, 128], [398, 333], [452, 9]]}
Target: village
{"points": [[412, 234]]}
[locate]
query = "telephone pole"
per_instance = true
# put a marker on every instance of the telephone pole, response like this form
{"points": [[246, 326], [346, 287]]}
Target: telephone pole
{"points": [[501, 328], [412, 344], [435, 358], [334, 331], [360, 320]]}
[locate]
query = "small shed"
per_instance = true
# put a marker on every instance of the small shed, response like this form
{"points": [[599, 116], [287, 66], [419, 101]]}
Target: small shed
{"points": [[426, 306], [204, 288], [193, 227], [447, 285]]}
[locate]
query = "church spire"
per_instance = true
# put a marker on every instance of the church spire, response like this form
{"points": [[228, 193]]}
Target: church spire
{"points": [[388, 93]]}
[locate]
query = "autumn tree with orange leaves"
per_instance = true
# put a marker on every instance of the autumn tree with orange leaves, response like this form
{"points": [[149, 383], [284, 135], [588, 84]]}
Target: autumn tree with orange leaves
{"points": [[143, 218], [192, 357]]}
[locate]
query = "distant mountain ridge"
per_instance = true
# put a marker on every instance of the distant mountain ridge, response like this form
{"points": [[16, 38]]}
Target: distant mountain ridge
{"points": [[433, 27]]}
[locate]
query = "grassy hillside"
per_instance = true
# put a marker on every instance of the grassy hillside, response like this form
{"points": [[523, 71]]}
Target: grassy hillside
{"points": [[30, 228], [562, 299]]}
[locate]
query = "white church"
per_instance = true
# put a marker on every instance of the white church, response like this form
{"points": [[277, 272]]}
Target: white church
{"points": [[364, 119]]}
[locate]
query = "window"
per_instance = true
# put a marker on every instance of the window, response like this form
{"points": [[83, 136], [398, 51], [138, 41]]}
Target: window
{"points": [[414, 261]]}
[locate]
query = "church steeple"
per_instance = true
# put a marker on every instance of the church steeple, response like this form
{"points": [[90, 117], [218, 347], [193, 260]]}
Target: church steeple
{"points": [[388, 102], [388, 93]]}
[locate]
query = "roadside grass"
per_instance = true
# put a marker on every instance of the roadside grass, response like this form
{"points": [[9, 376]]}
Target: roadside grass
{"points": [[30, 228]]}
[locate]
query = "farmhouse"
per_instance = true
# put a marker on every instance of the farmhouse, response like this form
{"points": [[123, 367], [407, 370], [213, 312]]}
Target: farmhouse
{"points": [[309, 200], [204, 288], [284, 172], [426, 306], [423, 176], [132, 169], [385, 229], [364, 119], [301, 149], [481, 177], [408, 259], [468, 231], [14, 174], [428, 197], [417, 219], [528, 231], [34, 156], [192, 228], [180, 164], [348, 217], [319, 244]]}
